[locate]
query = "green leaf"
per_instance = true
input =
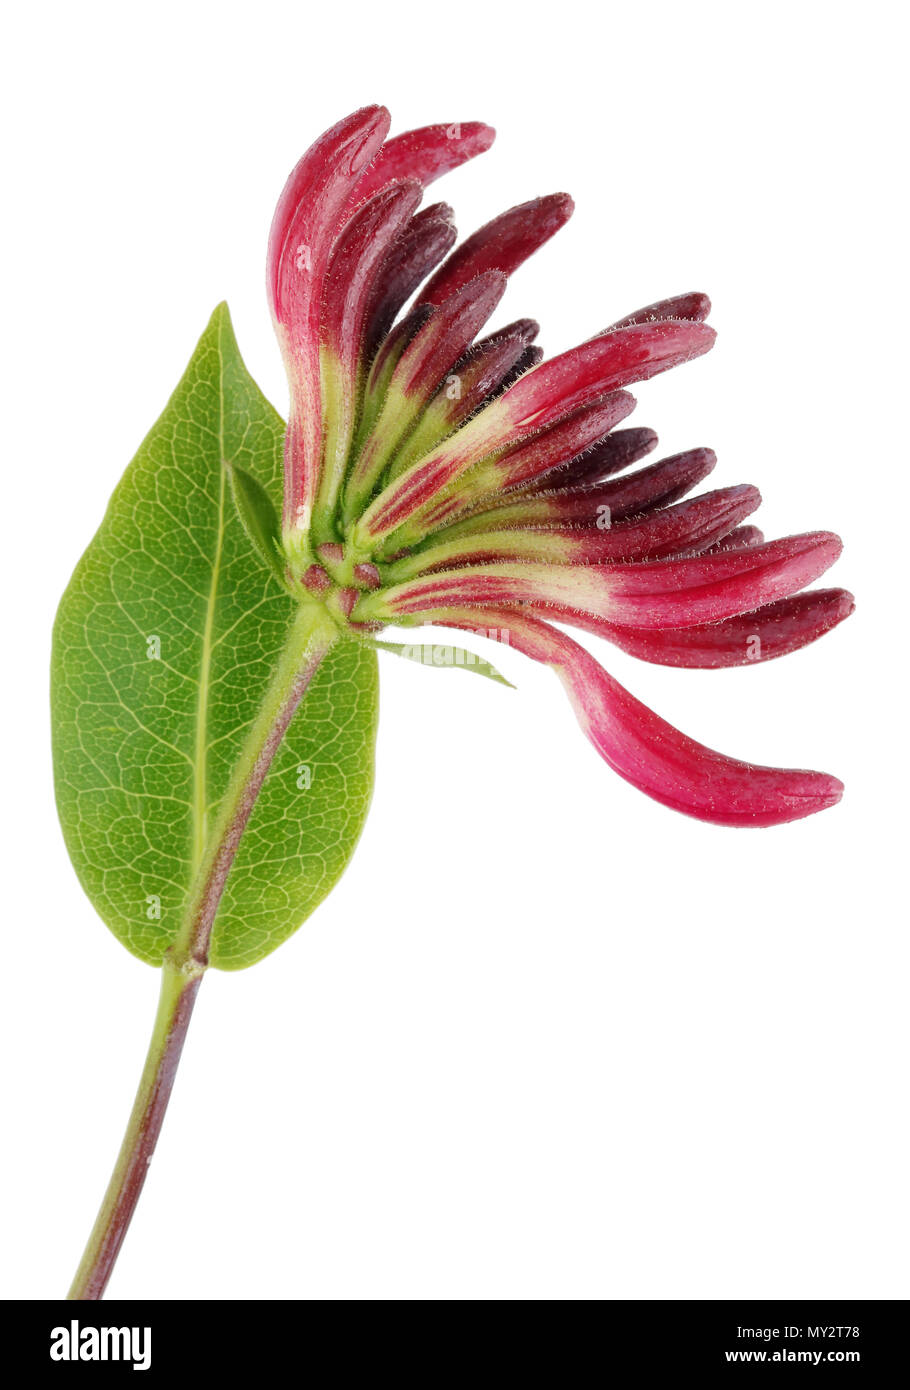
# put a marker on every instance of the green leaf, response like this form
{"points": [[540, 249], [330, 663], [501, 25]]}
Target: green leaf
{"points": [[258, 517], [163, 647], [442, 654]]}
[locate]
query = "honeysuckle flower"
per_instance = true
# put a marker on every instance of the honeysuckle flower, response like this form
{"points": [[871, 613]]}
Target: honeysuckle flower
{"points": [[437, 470], [437, 476]]}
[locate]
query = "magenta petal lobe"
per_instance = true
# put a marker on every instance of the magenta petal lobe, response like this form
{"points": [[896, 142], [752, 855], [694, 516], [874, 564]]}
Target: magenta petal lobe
{"points": [[654, 756]]}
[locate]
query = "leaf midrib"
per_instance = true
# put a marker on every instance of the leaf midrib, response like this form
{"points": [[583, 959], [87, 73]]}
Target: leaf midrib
{"points": [[200, 817]]}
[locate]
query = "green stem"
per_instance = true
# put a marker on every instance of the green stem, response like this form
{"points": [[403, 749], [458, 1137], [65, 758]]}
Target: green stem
{"points": [[175, 1007], [311, 635]]}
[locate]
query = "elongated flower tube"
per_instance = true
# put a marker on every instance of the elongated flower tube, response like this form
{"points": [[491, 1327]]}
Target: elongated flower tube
{"points": [[436, 476]]}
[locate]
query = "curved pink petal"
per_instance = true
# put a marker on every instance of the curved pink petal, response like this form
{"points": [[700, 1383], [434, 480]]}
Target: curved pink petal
{"points": [[646, 594], [650, 753], [659, 484], [620, 359], [608, 456], [693, 525], [742, 538], [503, 244], [540, 452], [420, 247], [707, 588], [308, 210], [300, 245], [355, 262], [448, 334], [681, 306], [689, 527], [425, 154], [592, 504], [356, 259], [744, 640]]}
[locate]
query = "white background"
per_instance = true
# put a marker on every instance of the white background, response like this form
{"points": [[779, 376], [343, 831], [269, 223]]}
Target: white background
{"points": [[547, 1039]]}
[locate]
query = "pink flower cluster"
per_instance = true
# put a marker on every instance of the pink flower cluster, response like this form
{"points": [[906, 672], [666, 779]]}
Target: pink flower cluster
{"points": [[436, 476]]}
